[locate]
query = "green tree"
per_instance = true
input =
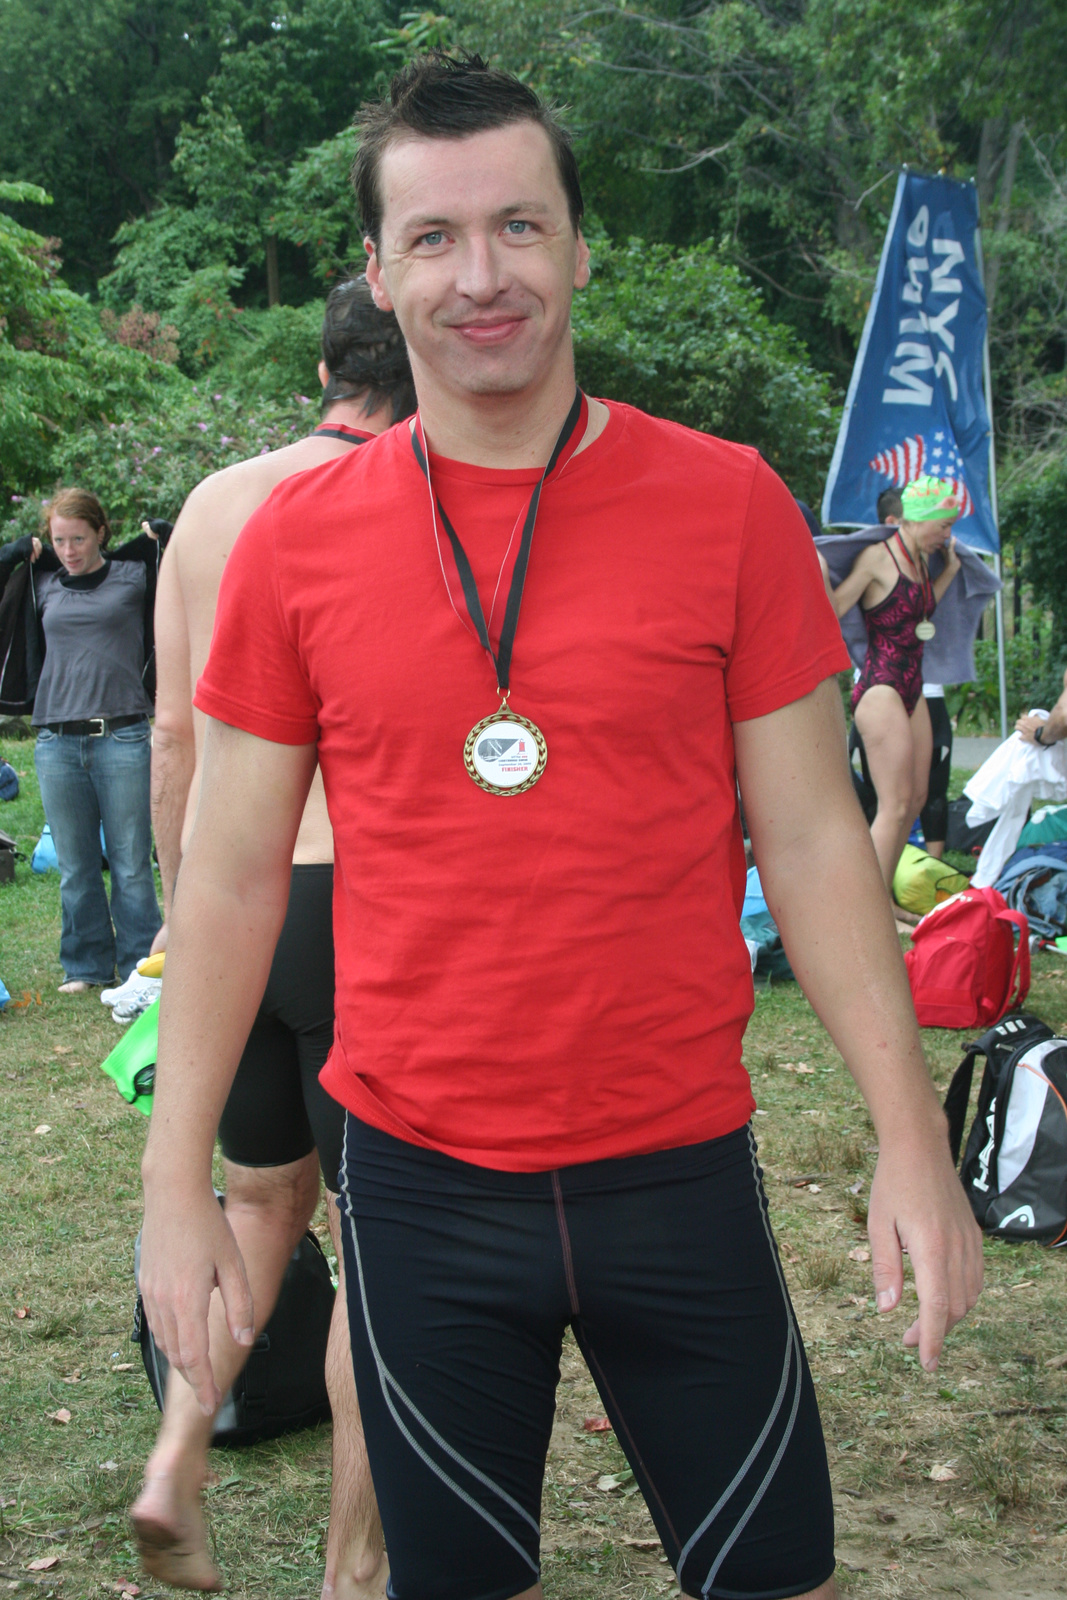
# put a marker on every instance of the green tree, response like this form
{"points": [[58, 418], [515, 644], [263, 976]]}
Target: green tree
{"points": [[92, 95], [684, 335], [58, 370]]}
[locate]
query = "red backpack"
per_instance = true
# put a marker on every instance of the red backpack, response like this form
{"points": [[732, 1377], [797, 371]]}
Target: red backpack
{"points": [[964, 967]]}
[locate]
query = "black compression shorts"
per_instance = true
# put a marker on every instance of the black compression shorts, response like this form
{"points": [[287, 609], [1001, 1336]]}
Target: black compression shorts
{"points": [[461, 1281], [277, 1109]]}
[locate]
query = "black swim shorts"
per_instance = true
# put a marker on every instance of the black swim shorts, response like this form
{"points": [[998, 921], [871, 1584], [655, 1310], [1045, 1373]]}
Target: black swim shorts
{"points": [[277, 1110], [461, 1282]]}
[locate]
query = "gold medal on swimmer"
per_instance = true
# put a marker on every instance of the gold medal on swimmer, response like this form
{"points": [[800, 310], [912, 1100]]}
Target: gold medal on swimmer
{"points": [[925, 629], [505, 753]]}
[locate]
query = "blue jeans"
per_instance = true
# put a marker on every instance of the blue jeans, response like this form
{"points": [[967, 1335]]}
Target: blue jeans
{"points": [[86, 781]]}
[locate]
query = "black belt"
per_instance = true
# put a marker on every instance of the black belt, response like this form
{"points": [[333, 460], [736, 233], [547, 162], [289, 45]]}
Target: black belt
{"points": [[94, 727]]}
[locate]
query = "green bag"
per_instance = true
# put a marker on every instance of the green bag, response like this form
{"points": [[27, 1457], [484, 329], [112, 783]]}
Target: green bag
{"points": [[921, 881], [132, 1063], [1046, 827]]}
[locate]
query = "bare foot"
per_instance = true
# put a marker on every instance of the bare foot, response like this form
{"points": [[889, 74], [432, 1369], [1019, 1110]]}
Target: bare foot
{"points": [[74, 986], [172, 1536], [358, 1585]]}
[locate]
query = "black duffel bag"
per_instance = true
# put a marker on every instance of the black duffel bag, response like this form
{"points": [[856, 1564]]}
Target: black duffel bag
{"points": [[283, 1385]]}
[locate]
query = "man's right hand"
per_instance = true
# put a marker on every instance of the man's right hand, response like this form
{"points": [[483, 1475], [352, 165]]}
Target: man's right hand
{"points": [[187, 1251], [1026, 726]]}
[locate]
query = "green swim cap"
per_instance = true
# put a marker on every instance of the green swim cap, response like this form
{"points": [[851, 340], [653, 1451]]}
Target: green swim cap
{"points": [[922, 501]]}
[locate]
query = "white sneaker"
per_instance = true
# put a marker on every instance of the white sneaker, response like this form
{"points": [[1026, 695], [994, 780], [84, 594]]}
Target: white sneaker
{"points": [[136, 992]]}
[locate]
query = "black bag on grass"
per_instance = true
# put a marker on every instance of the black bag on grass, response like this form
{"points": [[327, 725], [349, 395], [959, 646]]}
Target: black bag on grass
{"points": [[1014, 1169], [283, 1385]]}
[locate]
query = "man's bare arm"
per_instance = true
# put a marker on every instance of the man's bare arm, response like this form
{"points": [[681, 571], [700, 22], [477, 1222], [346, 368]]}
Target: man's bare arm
{"points": [[226, 921], [1053, 727], [173, 740], [824, 889]]}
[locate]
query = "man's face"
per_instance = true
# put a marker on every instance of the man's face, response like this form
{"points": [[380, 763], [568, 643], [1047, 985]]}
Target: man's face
{"points": [[478, 258]]}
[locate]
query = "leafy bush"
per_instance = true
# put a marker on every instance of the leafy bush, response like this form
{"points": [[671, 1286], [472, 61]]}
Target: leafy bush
{"points": [[1035, 509], [684, 335], [158, 253], [145, 465], [278, 356], [57, 368]]}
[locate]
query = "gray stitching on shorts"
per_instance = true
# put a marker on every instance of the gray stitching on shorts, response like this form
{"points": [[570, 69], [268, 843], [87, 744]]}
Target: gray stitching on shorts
{"points": [[792, 1351], [388, 1382]]}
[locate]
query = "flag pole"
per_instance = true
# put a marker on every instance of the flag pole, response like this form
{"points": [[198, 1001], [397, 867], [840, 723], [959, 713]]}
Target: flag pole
{"points": [[987, 379]]}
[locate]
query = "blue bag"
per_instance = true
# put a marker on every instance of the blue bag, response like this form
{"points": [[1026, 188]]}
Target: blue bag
{"points": [[44, 857], [1037, 886], [9, 781]]}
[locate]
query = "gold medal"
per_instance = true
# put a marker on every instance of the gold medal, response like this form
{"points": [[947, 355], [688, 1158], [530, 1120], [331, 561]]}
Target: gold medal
{"points": [[505, 753], [925, 629]]}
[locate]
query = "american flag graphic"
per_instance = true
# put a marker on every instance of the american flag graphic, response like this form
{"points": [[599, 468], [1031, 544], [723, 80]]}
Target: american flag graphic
{"points": [[903, 463]]}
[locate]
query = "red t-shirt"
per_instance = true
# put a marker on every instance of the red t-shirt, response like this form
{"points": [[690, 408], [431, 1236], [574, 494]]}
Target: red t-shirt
{"points": [[558, 976]]}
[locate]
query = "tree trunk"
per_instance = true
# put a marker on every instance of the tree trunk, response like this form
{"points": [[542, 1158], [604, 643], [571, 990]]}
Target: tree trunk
{"points": [[274, 288], [990, 155], [1007, 183]]}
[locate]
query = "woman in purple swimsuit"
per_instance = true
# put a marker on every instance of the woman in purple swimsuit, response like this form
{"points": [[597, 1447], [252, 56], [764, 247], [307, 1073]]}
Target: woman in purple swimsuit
{"points": [[893, 585]]}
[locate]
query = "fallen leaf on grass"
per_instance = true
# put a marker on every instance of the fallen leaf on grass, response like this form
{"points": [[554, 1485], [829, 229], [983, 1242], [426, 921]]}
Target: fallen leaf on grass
{"points": [[43, 1564], [854, 1188], [22, 1313], [802, 1066], [1027, 1283], [859, 1254], [640, 1544], [43, 1127], [62, 1415], [61, 1050], [613, 1480], [123, 1366], [108, 1466], [941, 1472], [884, 1516], [814, 1188], [597, 1425], [124, 1586], [1057, 1363], [902, 1458]]}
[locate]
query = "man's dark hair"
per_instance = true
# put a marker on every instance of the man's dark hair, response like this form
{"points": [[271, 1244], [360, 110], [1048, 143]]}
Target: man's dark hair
{"points": [[438, 96], [364, 352], [889, 504]]}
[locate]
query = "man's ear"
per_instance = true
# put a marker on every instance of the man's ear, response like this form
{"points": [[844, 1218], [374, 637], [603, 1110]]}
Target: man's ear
{"points": [[375, 280], [581, 271]]}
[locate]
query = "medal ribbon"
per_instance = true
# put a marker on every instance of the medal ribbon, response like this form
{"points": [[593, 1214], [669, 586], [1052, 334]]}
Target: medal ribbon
{"points": [[924, 579], [501, 658]]}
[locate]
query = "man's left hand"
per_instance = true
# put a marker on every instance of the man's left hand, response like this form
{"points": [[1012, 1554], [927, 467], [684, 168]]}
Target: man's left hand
{"points": [[918, 1205]]}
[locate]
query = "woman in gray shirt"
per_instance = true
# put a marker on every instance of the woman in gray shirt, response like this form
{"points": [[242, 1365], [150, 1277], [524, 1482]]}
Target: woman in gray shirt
{"points": [[93, 749]]}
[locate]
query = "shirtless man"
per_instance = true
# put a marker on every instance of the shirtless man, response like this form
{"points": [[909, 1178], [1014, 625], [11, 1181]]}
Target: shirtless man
{"points": [[279, 1124]]}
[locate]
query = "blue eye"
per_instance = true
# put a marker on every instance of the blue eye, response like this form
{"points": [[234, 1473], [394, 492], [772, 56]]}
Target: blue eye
{"points": [[432, 238], [516, 227]]}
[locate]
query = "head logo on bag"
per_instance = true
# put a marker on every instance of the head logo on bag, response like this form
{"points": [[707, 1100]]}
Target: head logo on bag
{"points": [[1014, 1168]]}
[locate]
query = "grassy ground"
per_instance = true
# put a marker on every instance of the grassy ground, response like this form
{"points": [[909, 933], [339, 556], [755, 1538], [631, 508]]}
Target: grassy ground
{"points": [[995, 1416]]}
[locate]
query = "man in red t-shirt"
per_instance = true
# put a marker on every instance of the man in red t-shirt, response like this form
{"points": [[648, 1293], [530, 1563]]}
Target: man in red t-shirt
{"points": [[534, 642]]}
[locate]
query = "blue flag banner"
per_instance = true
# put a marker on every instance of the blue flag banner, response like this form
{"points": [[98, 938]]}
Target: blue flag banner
{"points": [[916, 401]]}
